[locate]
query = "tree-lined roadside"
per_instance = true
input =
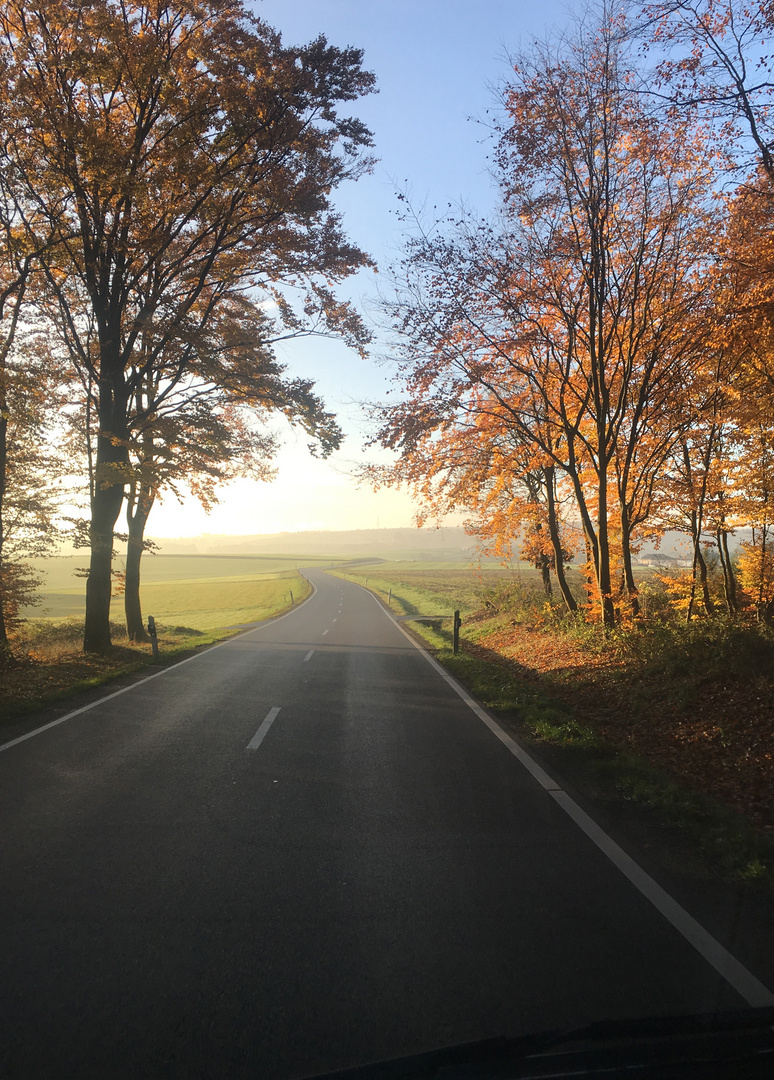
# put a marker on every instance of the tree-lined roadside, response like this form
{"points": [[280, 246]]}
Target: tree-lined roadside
{"points": [[590, 366], [166, 216]]}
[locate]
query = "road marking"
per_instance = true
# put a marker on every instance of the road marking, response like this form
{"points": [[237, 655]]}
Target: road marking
{"points": [[262, 731], [531, 766], [335, 620], [742, 980], [324, 633], [309, 655], [148, 678], [736, 974]]}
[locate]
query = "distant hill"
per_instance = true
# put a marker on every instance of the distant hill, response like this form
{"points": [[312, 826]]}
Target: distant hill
{"points": [[446, 544], [436, 545], [450, 544]]}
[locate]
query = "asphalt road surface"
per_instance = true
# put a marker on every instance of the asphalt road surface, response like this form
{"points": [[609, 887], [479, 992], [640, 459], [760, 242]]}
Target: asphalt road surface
{"points": [[302, 850]]}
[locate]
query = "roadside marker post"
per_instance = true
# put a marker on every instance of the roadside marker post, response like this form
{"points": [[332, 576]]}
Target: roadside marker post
{"points": [[153, 637], [456, 624]]}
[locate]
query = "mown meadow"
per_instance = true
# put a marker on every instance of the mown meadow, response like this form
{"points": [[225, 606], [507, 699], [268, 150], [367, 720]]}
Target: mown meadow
{"points": [[207, 592], [195, 601]]}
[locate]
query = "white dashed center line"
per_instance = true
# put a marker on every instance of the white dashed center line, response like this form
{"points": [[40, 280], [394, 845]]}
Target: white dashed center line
{"points": [[262, 731], [309, 655]]}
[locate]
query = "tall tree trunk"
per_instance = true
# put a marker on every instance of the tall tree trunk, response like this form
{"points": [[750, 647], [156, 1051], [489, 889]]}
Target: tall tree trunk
{"points": [[556, 540], [697, 520], [729, 580], [110, 469], [709, 606], [589, 533], [630, 585], [545, 572], [762, 607], [542, 562], [695, 537], [105, 508], [137, 513], [19, 288], [597, 540], [4, 643], [591, 576], [604, 581]]}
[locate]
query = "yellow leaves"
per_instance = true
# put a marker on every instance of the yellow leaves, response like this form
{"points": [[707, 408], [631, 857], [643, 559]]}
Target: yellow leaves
{"points": [[679, 586], [756, 566]]}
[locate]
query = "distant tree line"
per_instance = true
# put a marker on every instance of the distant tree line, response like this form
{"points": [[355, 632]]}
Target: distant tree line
{"points": [[166, 173]]}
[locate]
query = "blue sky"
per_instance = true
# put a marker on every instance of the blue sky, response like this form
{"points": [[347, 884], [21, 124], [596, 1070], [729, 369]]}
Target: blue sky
{"points": [[437, 63]]}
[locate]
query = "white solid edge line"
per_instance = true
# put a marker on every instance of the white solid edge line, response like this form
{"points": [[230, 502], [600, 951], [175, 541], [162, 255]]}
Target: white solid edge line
{"points": [[262, 731], [148, 678], [735, 973]]}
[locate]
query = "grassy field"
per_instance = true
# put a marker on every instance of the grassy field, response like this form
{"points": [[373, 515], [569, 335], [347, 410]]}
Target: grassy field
{"points": [[200, 592], [195, 601], [210, 604], [171, 583], [437, 588]]}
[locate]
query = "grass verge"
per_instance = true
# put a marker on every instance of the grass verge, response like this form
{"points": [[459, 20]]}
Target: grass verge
{"points": [[674, 791]]}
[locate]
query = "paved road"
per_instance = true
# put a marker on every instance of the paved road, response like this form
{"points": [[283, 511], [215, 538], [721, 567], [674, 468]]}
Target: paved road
{"points": [[299, 851]]}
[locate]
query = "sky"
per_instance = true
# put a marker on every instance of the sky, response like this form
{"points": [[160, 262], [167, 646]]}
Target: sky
{"points": [[437, 64]]}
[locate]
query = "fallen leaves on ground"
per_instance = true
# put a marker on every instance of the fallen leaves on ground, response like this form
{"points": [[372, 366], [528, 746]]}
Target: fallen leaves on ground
{"points": [[717, 734], [27, 681]]}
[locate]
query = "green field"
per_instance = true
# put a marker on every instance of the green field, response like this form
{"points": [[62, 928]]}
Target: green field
{"points": [[203, 592], [211, 591], [440, 588], [437, 588]]}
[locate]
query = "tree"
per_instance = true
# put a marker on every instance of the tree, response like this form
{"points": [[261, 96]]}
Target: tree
{"points": [[28, 497], [756, 569], [722, 69], [747, 278], [573, 317], [474, 460], [11, 294], [719, 67], [25, 505], [179, 152], [210, 428], [513, 503]]}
